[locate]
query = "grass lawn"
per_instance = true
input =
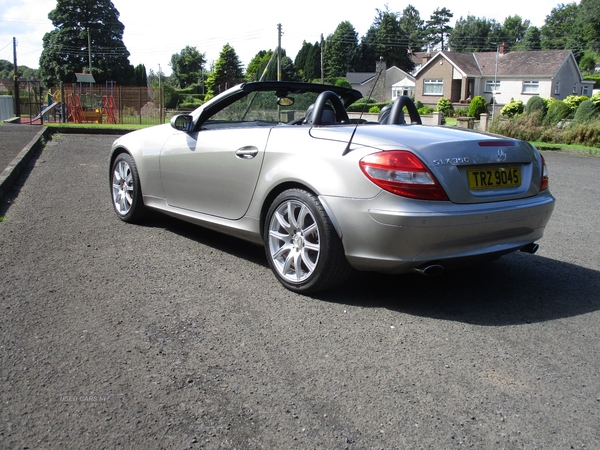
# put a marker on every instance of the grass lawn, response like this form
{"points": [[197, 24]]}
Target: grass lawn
{"points": [[96, 126], [573, 148]]}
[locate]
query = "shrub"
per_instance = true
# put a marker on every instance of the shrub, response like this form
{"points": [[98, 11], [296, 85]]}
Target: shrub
{"points": [[529, 128], [342, 82], [557, 111], [573, 102], [171, 96], [596, 99], [582, 133], [586, 112], [191, 102], [477, 107], [425, 110], [536, 105], [362, 106], [513, 109], [374, 109], [444, 106], [595, 77], [587, 63], [525, 127]]}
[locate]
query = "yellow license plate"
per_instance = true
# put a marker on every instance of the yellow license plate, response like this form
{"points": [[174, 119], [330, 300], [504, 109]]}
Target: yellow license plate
{"points": [[494, 177]]}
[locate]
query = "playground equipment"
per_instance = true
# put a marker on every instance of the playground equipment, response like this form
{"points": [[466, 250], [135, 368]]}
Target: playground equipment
{"points": [[98, 103], [89, 105]]}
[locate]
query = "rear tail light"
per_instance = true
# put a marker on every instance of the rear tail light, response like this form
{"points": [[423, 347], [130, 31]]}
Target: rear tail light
{"points": [[402, 173], [544, 183]]}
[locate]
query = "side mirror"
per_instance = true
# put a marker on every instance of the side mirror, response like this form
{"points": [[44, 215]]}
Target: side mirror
{"points": [[183, 122]]}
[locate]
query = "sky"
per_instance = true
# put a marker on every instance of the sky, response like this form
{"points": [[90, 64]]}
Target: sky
{"points": [[154, 33]]}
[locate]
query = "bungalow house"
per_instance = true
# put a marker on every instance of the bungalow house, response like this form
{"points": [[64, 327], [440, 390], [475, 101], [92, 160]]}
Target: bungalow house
{"points": [[499, 76], [391, 83]]}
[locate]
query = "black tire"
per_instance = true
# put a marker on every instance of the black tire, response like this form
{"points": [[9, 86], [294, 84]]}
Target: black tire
{"points": [[302, 247], [126, 192]]}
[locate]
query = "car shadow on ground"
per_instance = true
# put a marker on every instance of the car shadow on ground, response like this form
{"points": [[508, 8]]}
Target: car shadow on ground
{"points": [[516, 289]]}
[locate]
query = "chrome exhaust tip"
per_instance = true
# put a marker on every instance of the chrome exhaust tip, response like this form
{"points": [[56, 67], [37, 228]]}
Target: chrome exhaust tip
{"points": [[530, 248], [430, 270]]}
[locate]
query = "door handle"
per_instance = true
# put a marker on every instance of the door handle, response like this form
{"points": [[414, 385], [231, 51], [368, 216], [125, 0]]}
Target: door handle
{"points": [[246, 152]]}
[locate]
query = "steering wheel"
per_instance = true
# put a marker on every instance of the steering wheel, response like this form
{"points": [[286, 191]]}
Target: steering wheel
{"points": [[396, 116], [341, 116]]}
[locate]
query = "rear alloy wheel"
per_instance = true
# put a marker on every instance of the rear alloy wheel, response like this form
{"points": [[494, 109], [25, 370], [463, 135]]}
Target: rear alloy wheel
{"points": [[302, 247], [126, 191]]}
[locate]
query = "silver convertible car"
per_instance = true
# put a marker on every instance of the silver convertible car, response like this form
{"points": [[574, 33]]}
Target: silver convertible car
{"points": [[282, 165]]}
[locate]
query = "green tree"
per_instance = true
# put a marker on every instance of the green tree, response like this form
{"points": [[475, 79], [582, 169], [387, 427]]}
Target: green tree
{"points": [[312, 65], [308, 61], [289, 71], [187, 66], [384, 39], [340, 50], [560, 30], [366, 54], [264, 64], [474, 34], [227, 72], [514, 30], [258, 64], [390, 41], [66, 51], [589, 18], [141, 78], [531, 41], [438, 29], [588, 62], [7, 70], [413, 28]]}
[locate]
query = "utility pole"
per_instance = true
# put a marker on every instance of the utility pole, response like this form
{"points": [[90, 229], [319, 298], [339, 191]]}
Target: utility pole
{"points": [[16, 78], [89, 50], [278, 52], [322, 66], [160, 97], [495, 84]]}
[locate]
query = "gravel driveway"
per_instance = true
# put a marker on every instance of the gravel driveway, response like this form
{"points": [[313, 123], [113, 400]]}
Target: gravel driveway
{"points": [[171, 336]]}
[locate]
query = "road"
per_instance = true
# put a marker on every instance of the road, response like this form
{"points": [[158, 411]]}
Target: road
{"points": [[171, 336]]}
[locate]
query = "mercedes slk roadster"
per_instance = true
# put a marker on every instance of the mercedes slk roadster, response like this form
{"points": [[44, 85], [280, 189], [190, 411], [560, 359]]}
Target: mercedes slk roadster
{"points": [[282, 164]]}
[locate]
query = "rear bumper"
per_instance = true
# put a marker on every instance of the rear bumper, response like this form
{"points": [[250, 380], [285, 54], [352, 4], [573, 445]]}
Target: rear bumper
{"points": [[395, 235]]}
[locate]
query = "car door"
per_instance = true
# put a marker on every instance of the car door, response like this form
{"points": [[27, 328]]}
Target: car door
{"points": [[213, 171]]}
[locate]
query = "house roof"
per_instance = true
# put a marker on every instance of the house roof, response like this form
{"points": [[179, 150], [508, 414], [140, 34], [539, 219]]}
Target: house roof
{"points": [[85, 78], [359, 77], [365, 77], [542, 63]]}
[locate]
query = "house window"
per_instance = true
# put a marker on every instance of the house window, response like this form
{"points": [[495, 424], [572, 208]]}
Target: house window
{"points": [[491, 86], [531, 87], [433, 87], [398, 91], [585, 91], [557, 88]]}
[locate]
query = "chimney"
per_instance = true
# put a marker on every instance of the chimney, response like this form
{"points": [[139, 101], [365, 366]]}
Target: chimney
{"points": [[426, 57], [379, 92], [503, 48]]}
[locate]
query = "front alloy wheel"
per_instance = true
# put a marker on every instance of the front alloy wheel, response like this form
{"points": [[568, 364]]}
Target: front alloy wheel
{"points": [[125, 188], [302, 246]]}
